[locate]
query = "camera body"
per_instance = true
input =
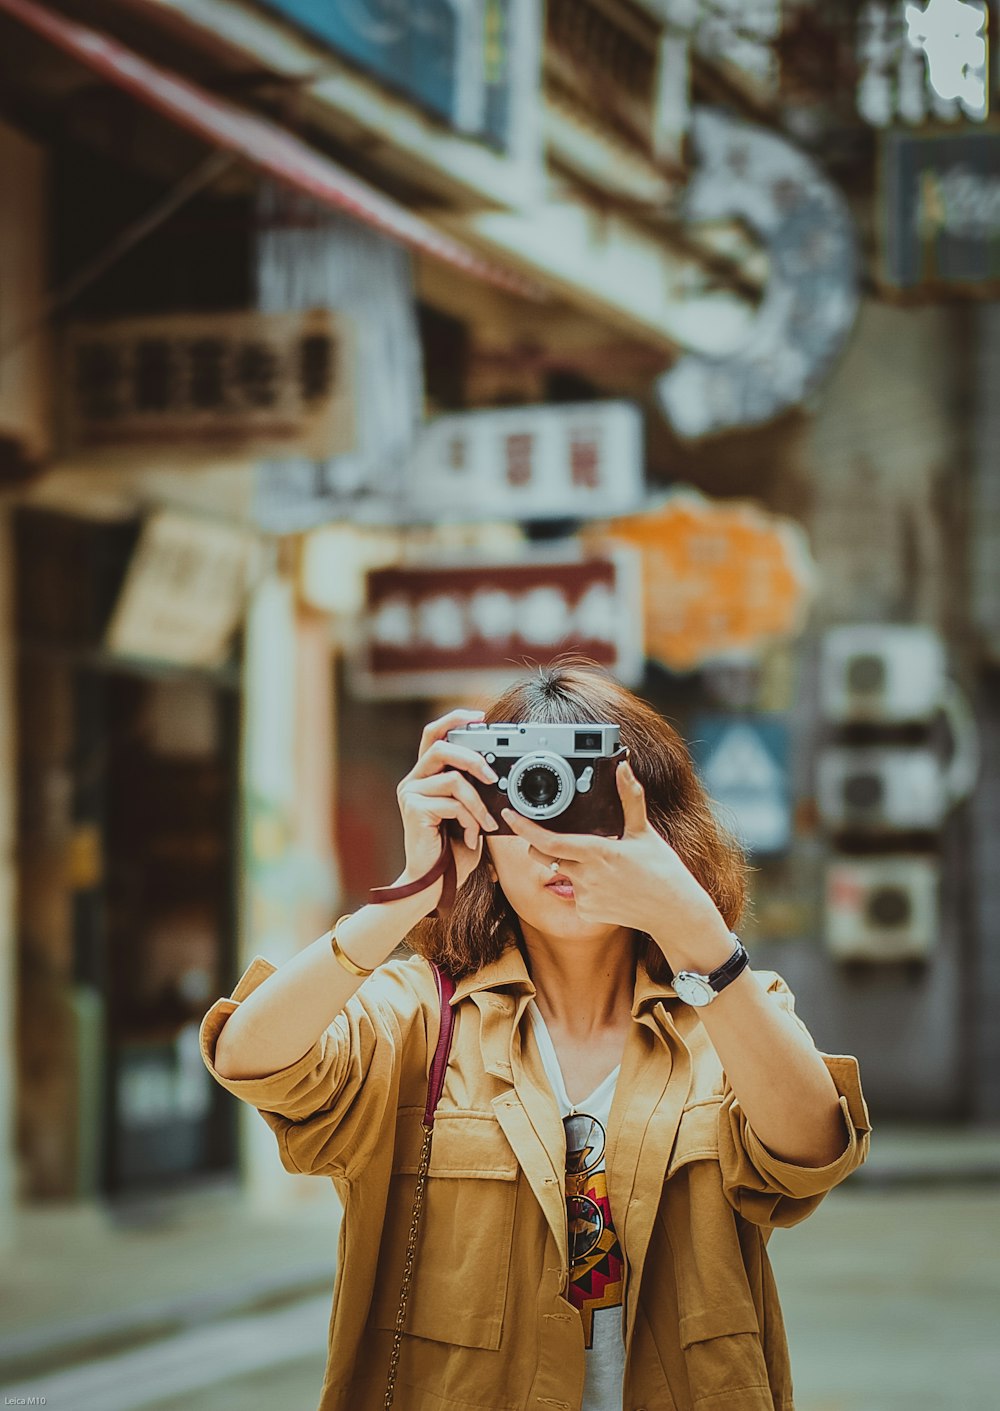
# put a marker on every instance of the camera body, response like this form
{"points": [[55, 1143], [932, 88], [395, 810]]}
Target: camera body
{"points": [[561, 776]]}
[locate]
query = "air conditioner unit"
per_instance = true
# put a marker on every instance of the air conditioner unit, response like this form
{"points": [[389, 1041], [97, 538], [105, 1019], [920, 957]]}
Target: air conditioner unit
{"points": [[881, 674], [882, 908], [881, 789]]}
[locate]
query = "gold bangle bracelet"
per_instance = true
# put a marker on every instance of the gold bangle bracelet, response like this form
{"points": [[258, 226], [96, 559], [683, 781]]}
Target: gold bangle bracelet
{"points": [[338, 951]]}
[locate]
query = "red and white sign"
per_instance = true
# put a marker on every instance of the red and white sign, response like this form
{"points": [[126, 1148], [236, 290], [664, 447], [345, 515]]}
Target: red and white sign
{"points": [[432, 629], [267, 382], [568, 461]]}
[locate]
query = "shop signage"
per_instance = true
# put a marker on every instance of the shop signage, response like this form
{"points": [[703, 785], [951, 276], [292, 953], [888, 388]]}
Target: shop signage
{"points": [[922, 61], [574, 461], [749, 174], [743, 764], [452, 59], [720, 579], [941, 210], [264, 382], [432, 629], [185, 590]]}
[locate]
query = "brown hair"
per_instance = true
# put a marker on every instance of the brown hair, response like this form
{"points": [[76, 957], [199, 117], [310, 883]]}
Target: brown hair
{"points": [[572, 687]]}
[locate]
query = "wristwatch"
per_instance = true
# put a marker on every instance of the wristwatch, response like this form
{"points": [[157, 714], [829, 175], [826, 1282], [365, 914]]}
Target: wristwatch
{"points": [[700, 990]]}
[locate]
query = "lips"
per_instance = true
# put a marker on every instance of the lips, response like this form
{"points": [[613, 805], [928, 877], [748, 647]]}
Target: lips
{"points": [[561, 885]]}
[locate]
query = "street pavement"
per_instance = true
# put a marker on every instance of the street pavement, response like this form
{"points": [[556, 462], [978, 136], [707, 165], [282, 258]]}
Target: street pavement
{"points": [[890, 1291], [891, 1300]]}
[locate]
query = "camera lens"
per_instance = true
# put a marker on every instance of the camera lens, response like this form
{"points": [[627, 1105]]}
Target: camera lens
{"points": [[541, 784], [538, 786]]}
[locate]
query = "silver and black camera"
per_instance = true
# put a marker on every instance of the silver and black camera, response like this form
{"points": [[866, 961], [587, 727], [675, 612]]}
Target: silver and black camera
{"points": [[561, 776]]}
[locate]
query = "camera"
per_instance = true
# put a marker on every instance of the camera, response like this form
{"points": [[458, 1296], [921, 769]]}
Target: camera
{"points": [[561, 776]]}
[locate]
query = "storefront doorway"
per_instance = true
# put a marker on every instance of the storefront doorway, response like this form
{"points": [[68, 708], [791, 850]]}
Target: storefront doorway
{"points": [[128, 847]]}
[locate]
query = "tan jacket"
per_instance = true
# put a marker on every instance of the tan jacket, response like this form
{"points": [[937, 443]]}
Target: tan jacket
{"points": [[694, 1194]]}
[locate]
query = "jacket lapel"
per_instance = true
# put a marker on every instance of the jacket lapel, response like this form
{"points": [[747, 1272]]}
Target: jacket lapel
{"points": [[649, 1097], [526, 1110], [645, 1114]]}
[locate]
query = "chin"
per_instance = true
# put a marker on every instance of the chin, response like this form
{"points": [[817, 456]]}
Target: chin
{"points": [[556, 917]]}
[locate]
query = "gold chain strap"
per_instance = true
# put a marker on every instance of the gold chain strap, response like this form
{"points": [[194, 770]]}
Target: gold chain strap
{"points": [[411, 1245]]}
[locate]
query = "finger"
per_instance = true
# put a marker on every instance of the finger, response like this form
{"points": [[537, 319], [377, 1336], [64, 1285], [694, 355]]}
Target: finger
{"points": [[438, 729], [574, 846], [548, 858], [442, 753], [455, 783], [633, 797], [440, 809]]}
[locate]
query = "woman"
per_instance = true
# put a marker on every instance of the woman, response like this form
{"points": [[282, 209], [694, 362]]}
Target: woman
{"points": [[608, 1161]]}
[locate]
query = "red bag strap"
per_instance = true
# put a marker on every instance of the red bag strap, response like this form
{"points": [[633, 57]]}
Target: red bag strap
{"points": [[439, 1063], [435, 1084]]}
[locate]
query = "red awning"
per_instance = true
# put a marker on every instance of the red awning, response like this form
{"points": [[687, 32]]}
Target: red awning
{"points": [[262, 143]]}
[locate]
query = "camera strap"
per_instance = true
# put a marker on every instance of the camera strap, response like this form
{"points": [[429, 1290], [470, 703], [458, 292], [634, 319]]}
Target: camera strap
{"points": [[443, 867]]}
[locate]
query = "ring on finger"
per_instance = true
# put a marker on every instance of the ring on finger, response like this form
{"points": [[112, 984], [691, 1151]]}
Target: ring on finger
{"points": [[555, 866]]}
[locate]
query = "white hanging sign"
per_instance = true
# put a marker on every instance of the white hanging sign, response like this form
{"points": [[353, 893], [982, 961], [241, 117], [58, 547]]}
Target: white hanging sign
{"points": [[185, 590], [575, 461], [919, 62]]}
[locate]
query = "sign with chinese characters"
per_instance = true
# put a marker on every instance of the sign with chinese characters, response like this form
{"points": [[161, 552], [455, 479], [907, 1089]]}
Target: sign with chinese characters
{"points": [[185, 590], [922, 61], [743, 764], [746, 173], [720, 579], [436, 628], [941, 210], [209, 382], [574, 461]]}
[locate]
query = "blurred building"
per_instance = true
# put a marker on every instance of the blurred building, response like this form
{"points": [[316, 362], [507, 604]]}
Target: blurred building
{"points": [[289, 293]]}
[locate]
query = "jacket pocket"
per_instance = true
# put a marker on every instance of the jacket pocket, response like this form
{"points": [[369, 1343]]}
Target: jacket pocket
{"points": [[723, 1320], [458, 1287], [724, 1357], [697, 1134]]}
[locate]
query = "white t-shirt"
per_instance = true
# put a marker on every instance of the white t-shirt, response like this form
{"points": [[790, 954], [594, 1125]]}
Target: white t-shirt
{"points": [[597, 1268]]}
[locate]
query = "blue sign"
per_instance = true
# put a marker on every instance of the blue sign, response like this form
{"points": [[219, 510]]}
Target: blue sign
{"points": [[451, 58], [743, 764], [941, 209]]}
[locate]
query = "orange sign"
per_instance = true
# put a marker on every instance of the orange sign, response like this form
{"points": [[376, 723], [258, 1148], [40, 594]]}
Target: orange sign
{"points": [[719, 577]]}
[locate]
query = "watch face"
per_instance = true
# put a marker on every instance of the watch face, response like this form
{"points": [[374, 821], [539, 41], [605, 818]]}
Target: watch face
{"points": [[693, 989]]}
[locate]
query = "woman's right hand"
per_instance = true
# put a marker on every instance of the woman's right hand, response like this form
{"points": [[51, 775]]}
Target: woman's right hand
{"points": [[437, 789]]}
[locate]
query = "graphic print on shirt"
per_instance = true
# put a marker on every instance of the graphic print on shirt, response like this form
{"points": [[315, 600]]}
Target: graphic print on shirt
{"points": [[596, 1264]]}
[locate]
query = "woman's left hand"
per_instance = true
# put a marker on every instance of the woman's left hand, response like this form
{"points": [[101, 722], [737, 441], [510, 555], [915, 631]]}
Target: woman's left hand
{"points": [[637, 880]]}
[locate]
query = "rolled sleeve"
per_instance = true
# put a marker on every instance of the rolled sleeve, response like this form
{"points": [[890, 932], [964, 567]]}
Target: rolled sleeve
{"points": [[328, 1108], [768, 1189], [291, 1091]]}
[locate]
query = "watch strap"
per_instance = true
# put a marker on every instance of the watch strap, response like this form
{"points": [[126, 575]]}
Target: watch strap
{"points": [[727, 972]]}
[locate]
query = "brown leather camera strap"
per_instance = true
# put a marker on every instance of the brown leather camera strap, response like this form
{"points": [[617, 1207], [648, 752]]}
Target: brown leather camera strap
{"points": [[444, 867]]}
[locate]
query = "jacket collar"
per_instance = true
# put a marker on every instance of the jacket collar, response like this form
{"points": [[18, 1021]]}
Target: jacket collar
{"points": [[510, 970]]}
